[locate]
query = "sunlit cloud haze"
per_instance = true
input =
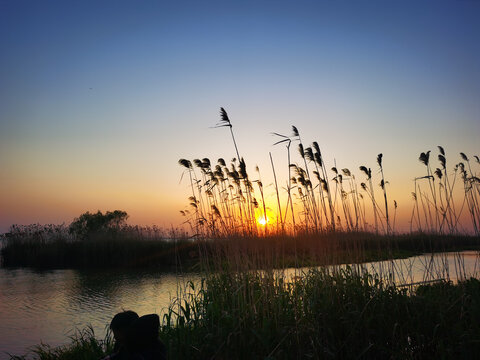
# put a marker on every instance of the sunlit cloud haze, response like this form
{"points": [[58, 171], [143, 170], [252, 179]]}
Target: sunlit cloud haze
{"points": [[99, 100]]}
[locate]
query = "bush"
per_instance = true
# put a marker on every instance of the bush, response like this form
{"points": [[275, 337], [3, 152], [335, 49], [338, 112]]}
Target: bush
{"points": [[87, 223]]}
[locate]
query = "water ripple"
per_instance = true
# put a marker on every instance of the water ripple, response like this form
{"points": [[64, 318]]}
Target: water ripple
{"points": [[49, 306]]}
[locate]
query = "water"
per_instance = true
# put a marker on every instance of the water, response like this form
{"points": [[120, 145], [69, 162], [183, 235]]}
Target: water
{"points": [[48, 306]]}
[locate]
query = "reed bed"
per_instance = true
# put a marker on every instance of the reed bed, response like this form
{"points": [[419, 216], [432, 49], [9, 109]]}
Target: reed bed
{"points": [[247, 307], [226, 200], [54, 246], [323, 315], [133, 247], [320, 315]]}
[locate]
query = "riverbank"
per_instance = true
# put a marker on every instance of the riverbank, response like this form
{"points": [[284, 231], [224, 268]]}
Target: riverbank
{"points": [[322, 314], [113, 250]]}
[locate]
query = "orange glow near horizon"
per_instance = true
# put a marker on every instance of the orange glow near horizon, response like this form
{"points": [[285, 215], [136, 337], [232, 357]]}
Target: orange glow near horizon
{"points": [[100, 122]]}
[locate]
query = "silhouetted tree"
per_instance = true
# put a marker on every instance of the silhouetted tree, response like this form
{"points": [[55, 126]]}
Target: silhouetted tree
{"points": [[90, 223]]}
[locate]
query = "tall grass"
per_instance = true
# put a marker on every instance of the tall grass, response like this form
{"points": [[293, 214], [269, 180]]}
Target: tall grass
{"points": [[320, 315], [84, 345], [225, 202], [323, 315], [53, 246], [441, 213], [43, 247]]}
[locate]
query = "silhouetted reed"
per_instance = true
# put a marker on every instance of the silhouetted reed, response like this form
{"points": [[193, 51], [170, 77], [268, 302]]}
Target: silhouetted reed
{"points": [[436, 211], [230, 203]]}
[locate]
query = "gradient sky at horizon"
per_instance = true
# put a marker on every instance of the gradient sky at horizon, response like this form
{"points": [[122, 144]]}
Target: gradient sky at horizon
{"points": [[100, 99]]}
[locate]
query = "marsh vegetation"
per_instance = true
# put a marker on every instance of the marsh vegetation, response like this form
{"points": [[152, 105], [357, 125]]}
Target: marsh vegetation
{"points": [[321, 315], [325, 215], [226, 200]]}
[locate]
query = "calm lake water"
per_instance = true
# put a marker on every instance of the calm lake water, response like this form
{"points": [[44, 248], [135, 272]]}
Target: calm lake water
{"points": [[48, 306]]}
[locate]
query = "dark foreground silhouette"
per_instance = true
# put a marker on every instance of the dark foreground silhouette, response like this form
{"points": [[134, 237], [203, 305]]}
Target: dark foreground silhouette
{"points": [[136, 338]]}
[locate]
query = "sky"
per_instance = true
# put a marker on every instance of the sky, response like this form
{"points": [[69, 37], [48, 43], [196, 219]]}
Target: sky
{"points": [[100, 99]]}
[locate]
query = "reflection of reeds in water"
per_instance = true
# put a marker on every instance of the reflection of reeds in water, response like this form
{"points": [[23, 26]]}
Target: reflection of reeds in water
{"points": [[224, 202]]}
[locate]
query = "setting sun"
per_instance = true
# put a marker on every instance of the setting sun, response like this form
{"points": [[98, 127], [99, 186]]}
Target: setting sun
{"points": [[261, 220]]}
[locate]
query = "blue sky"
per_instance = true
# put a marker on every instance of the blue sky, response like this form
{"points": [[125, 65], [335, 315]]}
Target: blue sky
{"points": [[99, 99]]}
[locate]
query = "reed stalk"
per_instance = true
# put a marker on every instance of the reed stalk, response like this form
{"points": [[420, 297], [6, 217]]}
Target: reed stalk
{"points": [[383, 186]]}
